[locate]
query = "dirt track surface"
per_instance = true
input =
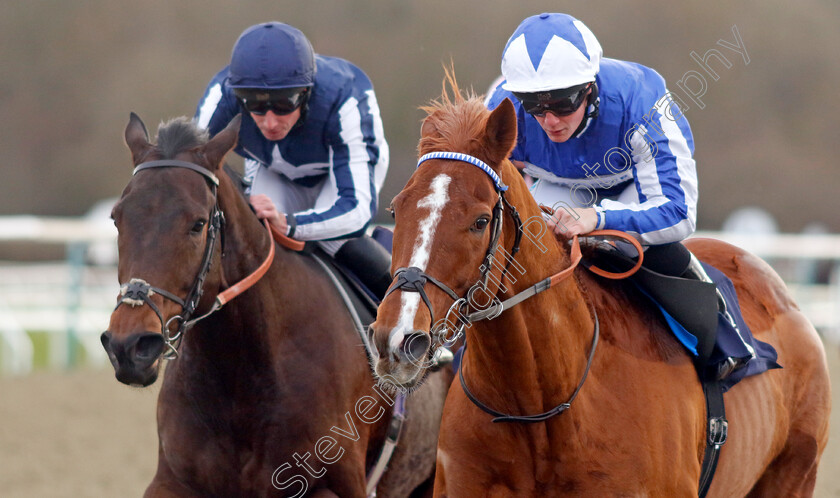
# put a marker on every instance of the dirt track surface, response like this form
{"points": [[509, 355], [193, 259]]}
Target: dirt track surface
{"points": [[82, 434]]}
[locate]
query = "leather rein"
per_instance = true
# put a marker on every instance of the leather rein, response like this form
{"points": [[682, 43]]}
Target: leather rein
{"points": [[137, 292], [413, 279]]}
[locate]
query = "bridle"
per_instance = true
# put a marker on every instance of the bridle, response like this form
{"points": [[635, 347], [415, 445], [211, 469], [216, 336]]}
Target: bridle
{"points": [[137, 292], [413, 279]]}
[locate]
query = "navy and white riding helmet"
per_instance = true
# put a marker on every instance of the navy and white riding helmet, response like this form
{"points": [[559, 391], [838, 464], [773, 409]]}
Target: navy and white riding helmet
{"points": [[549, 52], [272, 55]]}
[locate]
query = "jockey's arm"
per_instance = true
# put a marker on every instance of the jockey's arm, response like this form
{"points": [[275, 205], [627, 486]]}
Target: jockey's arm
{"points": [[265, 209], [660, 205], [583, 221], [347, 202]]}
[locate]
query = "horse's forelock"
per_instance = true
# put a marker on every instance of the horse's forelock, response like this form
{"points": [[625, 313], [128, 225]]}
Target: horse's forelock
{"points": [[179, 134], [460, 126], [458, 119]]}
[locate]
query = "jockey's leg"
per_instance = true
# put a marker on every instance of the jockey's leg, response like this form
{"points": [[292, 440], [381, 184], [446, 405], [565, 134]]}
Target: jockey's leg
{"points": [[672, 259], [369, 261], [695, 270], [676, 260]]}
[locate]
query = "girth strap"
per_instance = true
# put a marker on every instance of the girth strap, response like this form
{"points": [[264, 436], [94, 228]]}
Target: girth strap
{"points": [[392, 437], [715, 432]]}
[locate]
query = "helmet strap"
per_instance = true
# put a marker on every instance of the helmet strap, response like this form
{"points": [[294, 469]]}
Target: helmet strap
{"points": [[593, 101], [304, 109]]}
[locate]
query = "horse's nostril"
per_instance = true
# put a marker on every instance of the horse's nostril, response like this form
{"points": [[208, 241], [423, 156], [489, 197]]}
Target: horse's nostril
{"points": [[415, 346], [149, 347], [105, 339]]}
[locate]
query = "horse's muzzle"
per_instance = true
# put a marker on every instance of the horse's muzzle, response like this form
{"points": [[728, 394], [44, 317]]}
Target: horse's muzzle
{"points": [[134, 357], [403, 365]]}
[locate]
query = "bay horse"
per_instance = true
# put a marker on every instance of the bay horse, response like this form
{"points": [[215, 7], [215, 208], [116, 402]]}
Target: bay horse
{"points": [[272, 393], [637, 425]]}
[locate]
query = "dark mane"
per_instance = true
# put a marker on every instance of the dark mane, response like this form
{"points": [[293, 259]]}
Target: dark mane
{"points": [[458, 121], [179, 134]]}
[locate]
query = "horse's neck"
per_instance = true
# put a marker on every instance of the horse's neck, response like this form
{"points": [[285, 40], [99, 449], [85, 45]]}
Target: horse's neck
{"points": [[244, 325], [534, 353], [246, 239], [246, 245]]}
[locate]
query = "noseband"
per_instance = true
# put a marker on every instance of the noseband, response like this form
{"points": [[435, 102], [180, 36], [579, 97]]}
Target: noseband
{"points": [[137, 292]]}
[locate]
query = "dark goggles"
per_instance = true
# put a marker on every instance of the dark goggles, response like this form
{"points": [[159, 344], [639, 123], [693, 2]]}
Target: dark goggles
{"points": [[281, 102], [561, 102]]}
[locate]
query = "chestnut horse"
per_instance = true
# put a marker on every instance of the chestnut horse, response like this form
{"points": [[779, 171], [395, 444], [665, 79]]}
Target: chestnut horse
{"points": [[637, 425], [272, 394]]}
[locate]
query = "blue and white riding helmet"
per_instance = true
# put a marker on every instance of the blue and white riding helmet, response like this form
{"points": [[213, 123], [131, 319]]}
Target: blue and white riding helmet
{"points": [[549, 52]]}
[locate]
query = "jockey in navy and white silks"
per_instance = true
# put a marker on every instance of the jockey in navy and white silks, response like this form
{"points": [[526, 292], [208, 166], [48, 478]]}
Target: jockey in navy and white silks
{"points": [[311, 133], [627, 163]]}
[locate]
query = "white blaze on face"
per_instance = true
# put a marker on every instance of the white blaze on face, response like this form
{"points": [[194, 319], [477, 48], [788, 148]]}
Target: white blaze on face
{"points": [[434, 202]]}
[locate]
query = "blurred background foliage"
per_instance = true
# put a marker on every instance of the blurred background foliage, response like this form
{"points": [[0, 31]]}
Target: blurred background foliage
{"points": [[72, 72]]}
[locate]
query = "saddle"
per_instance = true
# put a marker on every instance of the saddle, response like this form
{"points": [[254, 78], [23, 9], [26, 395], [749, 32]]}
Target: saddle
{"points": [[363, 301], [363, 265], [705, 317]]}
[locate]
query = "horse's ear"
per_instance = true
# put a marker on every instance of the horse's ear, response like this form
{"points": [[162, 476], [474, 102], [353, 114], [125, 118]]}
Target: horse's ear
{"points": [[218, 147], [428, 128], [501, 131], [136, 137]]}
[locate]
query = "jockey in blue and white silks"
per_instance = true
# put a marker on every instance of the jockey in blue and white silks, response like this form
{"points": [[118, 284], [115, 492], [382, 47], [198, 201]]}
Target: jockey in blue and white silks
{"points": [[608, 146], [312, 139], [628, 158], [331, 162]]}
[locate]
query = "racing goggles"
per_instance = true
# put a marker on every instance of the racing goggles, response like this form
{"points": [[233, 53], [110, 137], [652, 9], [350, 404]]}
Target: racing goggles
{"points": [[281, 102], [561, 102]]}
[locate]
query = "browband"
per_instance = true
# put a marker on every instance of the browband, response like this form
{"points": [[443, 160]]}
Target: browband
{"points": [[174, 163], [458, 156]]}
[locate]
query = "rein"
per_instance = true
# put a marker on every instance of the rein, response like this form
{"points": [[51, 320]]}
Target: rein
{"points": [[137, 292], [413, 279], [539, 417]]}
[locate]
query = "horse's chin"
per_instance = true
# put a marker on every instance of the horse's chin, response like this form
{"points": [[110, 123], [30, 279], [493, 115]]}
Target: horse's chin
{"points": [[138, 378], [403, 377]]}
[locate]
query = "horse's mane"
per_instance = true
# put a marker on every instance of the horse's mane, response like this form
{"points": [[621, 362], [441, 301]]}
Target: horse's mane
{"points": [[179, 134], [458, 120]]}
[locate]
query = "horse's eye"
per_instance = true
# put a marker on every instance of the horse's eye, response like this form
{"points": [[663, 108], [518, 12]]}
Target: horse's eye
{"points": [[198, 226], [480, 224], [390, 210]]}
